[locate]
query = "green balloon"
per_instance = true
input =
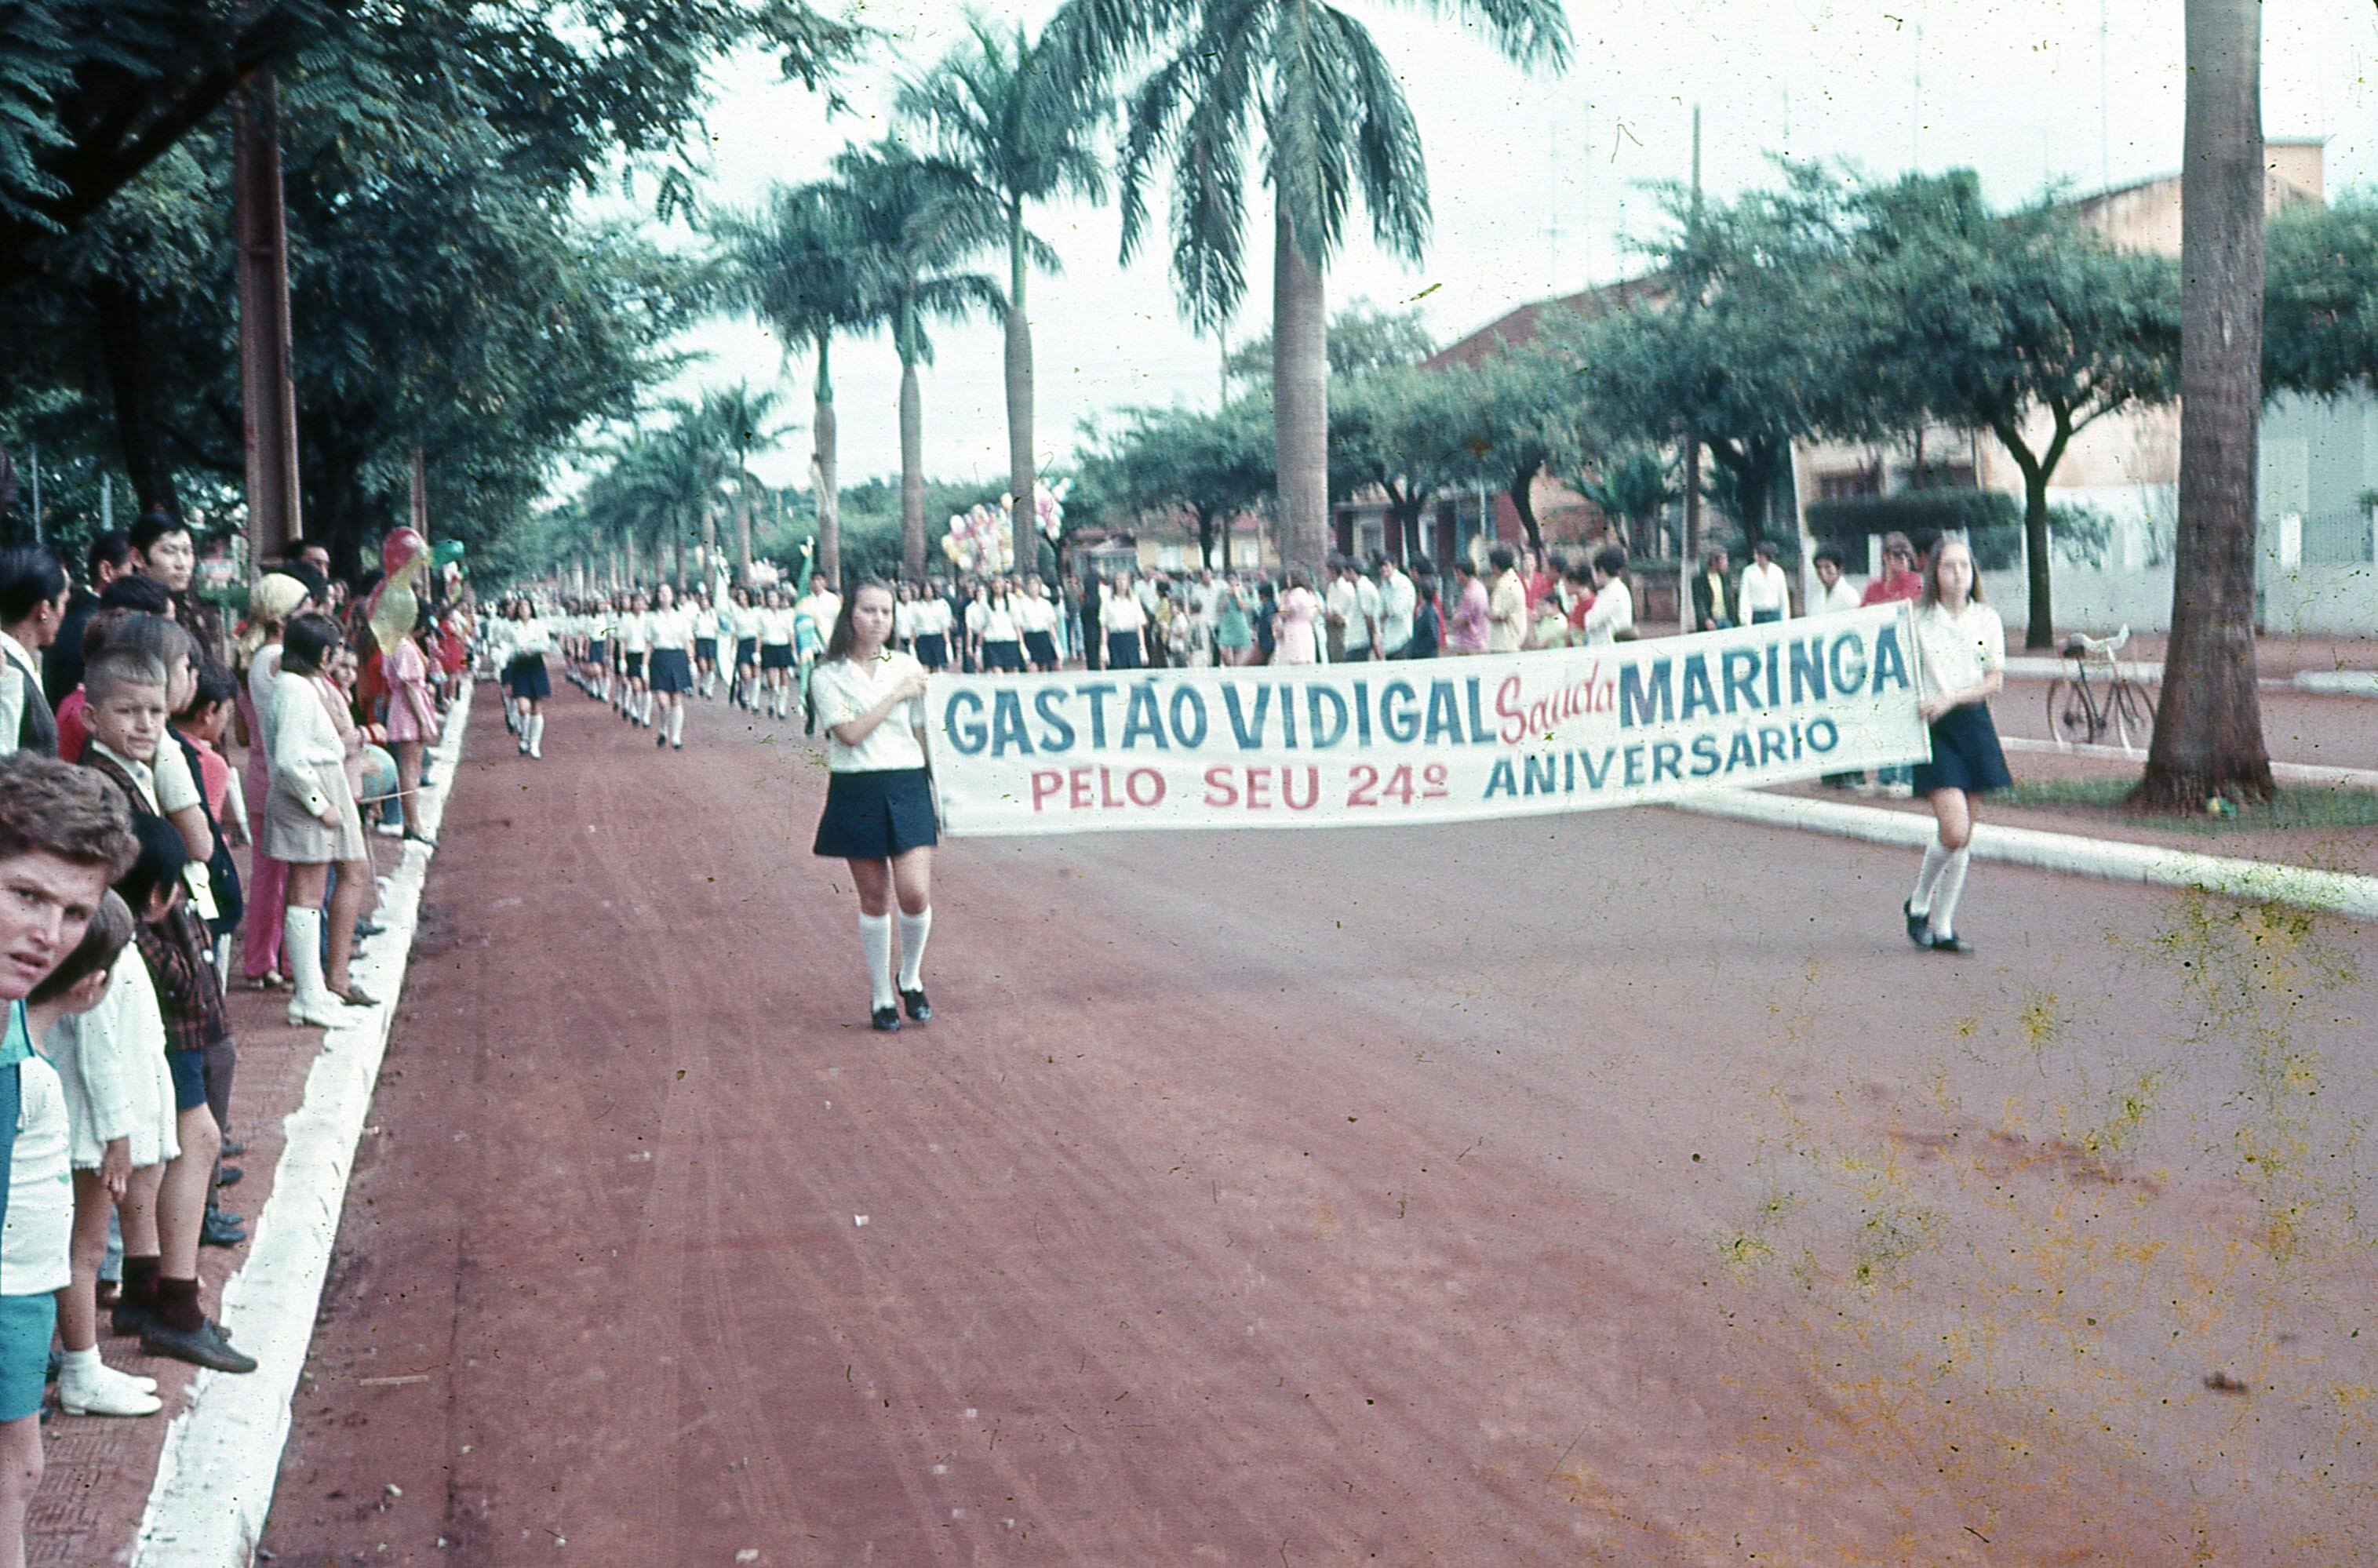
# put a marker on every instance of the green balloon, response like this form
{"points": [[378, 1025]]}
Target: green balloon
{"points": [[446, 552]]}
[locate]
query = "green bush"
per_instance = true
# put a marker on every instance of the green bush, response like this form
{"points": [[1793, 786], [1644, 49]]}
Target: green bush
{"points": [[1992, 522]]}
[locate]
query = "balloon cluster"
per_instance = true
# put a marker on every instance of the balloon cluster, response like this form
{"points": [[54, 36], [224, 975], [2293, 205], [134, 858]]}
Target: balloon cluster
{"points": [[394, 609], [980, 541]]}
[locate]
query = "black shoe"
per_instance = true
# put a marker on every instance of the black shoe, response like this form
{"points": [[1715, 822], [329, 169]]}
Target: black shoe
{"points": [[368, 928], [1919, 926], [1949, 944], [918, 1007], [229, 1175], [202, 1347], [222, 1228], [886, 1019], [125, 1319], [233, 1148]]}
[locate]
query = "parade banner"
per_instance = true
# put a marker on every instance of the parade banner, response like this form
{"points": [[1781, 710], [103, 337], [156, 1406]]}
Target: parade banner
{"points": [[1434, 740]]}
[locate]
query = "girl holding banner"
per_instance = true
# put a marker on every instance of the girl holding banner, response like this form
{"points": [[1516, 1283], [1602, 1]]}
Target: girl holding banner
{"points": [[1961, 647], [878, 802]]}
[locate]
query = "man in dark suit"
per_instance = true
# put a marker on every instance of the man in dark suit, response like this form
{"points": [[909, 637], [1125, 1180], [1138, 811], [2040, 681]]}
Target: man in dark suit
{"points": [[110, 557]]}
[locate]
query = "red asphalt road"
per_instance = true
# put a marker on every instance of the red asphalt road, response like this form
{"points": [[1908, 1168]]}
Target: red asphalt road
{"points": [[1619, 1189]]}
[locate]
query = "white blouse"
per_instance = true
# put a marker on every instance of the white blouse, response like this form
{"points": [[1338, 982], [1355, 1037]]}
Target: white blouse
{"points": [[1958, 650], [844, 689], [304, 740]]}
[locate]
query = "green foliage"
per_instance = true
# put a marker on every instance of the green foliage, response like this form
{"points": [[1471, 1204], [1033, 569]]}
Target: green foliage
{"points": [[1631, 487], [1311, 79], [2081, 532], [1362, 339], [1991, 521], [1165, 463], [2320, 315], [1412, 433]]}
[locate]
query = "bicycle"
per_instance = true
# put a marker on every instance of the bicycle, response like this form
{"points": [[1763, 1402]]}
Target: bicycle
{"points": [[2082, 709]]}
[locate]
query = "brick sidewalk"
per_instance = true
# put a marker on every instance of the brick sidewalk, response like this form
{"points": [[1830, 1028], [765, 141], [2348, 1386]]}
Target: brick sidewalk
{"points": [[96, 1490]]}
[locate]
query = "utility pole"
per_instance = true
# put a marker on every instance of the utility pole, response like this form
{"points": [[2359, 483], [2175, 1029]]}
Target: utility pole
{"points": [[1915, 109], [268, 394], [1692, 476], [2105, 108], [106, 503]]}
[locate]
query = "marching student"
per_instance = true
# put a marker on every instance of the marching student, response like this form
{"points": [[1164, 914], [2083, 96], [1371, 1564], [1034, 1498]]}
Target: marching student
{"points": [[814, 616], [991, 628], [929, 621], [1036, 617], [523, 639], [669, 628], [1961, 648], [776, 653], [706, 626], [743, 622], [879, 803], [635, 644]]}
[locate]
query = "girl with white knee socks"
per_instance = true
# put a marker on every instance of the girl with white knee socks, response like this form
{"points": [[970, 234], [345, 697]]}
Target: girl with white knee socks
{"points": [[1960, 646], [879, 804]]}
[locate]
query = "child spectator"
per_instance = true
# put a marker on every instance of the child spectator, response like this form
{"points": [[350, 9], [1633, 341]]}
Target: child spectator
{"points": [[119, 1127], [62, 837], [160, 1291]]}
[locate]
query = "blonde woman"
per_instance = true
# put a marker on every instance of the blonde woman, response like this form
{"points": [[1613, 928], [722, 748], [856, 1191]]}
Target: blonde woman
{"points": [[271, 603]]}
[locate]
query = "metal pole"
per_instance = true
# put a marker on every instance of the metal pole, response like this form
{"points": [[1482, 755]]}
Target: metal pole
{"points": [[35, 458], [1692, 455], [106, 503]]}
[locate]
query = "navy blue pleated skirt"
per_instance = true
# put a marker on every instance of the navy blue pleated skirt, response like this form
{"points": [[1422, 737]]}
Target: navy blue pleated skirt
{"points": [[525, 678], [672, 671], [1040, 647], [1965, 753], [747, 651], [874, 816]]}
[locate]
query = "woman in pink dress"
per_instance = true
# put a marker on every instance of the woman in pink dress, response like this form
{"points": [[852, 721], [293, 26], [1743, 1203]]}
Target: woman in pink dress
{"points": [[1300, 617], [1467, 634], [412, 720]]}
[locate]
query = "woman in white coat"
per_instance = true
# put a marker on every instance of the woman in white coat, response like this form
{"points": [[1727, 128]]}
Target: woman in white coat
{"points": [[311, 823]]}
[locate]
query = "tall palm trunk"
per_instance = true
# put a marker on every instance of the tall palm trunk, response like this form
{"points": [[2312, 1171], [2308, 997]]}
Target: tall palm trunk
{"points": [[829, 498], [1019, 403], [1300, 351], [2208, 736], [912, 448], [680, 543], [709, 536], [742, 521]]}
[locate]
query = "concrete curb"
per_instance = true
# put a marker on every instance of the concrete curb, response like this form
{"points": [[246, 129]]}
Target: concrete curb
{"points": [[222, 1455], [2338, 683], [2286, 773], [2260, 882]]}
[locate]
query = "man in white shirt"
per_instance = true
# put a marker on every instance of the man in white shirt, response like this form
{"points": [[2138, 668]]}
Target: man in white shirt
{"points": [[1399, 600], [1766, 593], [1835, 592], [1611, 614], [1354, 608], [822, 605]]}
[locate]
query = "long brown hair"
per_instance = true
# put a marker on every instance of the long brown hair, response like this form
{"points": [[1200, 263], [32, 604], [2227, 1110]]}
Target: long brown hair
{"points": [[1932, 571], [837, 646]]}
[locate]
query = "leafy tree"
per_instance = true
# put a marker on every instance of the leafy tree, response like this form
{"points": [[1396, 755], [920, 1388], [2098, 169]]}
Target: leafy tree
{"points": [[1630, 486], [918, 221], [92, 92], [1163, 462], [2320, 312], [2208, 733], [1334, 122], [796, 265], [999, 113], [2023, 324], [1410, 433], [742, 419], [1362, 337]]}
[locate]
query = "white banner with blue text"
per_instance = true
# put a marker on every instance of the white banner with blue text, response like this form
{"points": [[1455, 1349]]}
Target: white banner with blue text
{"points": [[1438, 740]]}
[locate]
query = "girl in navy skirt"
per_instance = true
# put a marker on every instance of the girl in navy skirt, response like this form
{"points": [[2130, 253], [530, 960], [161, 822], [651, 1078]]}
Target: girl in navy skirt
{"points": [[879, 801], [524, 640], [670, 630], [635, 642], [1961, 647], [777, 661]]}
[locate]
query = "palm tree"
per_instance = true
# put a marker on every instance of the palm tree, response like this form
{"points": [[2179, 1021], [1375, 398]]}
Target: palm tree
{"points": [[918, 220], [794, 265], [1333, 119], [999, 113], [2208, 734], [740, 418]]}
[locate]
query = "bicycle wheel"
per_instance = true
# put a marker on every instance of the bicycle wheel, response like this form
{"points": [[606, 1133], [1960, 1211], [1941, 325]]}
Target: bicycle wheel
{"points": [[2069, 722], [2133, 714]]}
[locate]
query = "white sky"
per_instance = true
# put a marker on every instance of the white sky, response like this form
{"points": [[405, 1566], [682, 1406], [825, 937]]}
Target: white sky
{"points": [[1536, 181]]}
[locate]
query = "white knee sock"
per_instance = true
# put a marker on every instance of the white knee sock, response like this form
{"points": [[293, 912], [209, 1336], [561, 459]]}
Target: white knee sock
{"points": [[677, 724], [1936, 856], [1944, 896], [914, 929], [875, 940], [301, 943], [536, 734]]}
